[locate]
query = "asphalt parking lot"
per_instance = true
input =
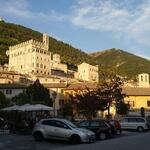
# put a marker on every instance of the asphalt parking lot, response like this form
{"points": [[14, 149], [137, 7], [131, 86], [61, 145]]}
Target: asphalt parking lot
{"points": [[26, 142]]}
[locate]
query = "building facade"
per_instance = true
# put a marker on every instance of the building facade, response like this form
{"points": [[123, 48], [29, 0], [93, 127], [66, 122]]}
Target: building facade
{"points": [[11, 90], [87, 72], [56, 63], [31, 57]]}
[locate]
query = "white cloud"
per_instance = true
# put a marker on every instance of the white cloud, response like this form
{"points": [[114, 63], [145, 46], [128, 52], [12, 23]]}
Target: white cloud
{"points": [[17, 8], [115, 16], [139, 28], [20, 8], [100, 15]]}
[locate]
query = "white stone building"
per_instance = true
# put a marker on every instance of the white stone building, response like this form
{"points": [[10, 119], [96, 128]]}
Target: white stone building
{"points": [[56, 63], [87, 72], [11, 90], [30, 57]]}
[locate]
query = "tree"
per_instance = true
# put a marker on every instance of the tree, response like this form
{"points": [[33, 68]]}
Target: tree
{"points": [[21, 99], [35, 93], [111, 90], [67, 109], [3, 101], [122, 108], [87, 102]]}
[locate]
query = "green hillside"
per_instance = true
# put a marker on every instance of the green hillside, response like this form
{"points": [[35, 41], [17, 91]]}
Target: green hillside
{"points": [[126, 64], [11, 34]]}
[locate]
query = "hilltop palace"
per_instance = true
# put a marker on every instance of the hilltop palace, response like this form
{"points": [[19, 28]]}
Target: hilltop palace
{"points": [[33, 59]]}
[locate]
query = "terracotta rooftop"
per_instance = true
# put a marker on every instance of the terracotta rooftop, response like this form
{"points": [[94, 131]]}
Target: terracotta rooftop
{"points": [[12, 73], [136, 91], [81, 86], [12, 86], [55, 85]]}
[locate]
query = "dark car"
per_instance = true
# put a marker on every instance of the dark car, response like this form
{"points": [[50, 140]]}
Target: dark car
{"points": [[148, 121], [100, 127], [116, 126], [1, 122]]}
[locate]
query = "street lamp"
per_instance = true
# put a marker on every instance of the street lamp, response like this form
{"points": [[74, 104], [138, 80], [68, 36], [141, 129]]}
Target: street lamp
{"points": [[54, 94]]}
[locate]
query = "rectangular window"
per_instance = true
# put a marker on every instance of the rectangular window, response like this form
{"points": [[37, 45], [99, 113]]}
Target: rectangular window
{"points": [[33, 50], [61, 102], [95, 124], [148, 103], [131, 103], [9, 91], [131, 119]]}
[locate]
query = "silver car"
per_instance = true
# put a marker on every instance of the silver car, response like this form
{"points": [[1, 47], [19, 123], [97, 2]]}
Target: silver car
{"points": [[63, 130], [136, 123]]}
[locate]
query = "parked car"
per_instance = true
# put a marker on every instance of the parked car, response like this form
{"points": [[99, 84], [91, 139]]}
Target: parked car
{"points": [[61, 129], [100, 127], [116, 129], [136, 123], [148, 122], [1, 122]]}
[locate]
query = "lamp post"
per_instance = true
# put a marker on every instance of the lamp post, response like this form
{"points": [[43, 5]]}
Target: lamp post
{"points": [[54, 94]]}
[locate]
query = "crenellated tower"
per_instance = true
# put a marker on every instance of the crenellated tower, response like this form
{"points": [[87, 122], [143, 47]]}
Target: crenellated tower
{"points": [[46, 40]]}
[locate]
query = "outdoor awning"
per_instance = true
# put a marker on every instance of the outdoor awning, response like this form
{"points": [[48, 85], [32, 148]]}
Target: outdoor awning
{"points": [[28, 107], [36, 107], [11, 108]]}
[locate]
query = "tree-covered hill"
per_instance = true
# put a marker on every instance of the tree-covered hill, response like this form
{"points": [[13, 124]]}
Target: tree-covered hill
{"points": [[11, 34], [124, 63]]}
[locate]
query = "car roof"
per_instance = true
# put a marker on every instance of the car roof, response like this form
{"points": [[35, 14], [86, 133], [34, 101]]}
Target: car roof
{"points": [[57, 119], [93, 120], [134, 117]]}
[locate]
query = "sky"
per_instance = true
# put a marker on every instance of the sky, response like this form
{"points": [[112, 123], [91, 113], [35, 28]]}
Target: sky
{"points": [[90, 25]]}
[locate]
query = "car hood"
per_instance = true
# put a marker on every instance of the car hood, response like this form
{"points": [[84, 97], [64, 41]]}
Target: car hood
{"points": [[85, 131]]}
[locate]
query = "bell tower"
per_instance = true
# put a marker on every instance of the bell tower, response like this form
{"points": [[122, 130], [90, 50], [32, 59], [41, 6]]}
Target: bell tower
{"points": [[46, 40], [143, 80]]}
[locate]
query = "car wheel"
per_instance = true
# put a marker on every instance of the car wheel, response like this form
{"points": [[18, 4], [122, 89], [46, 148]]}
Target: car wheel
{"points": [[75, 139], [38, 136], [140, 129], [102, 136]]}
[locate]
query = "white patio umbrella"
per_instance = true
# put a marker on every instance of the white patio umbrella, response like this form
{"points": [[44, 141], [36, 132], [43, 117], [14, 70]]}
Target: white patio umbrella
{"points": [[24, 107], [36, 107], [11, 108]]}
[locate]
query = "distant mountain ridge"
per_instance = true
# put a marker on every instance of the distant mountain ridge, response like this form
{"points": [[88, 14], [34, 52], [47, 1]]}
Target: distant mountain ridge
{"points": [[125, 63]]}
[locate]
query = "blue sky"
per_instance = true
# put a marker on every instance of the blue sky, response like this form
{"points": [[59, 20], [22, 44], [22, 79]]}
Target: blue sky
{"points": [[90, 25]]}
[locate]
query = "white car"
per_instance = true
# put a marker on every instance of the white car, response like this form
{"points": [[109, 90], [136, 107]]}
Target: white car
{"points": [[63, 130], [135, 123]]}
